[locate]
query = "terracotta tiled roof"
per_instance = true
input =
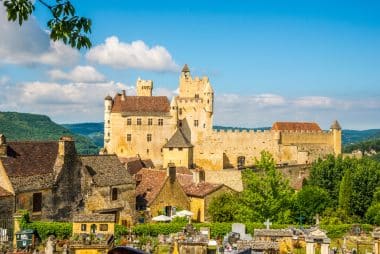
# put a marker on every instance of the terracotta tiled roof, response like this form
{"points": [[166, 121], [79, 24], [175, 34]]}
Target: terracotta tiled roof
{"points": [[137, 104], [295, 126], [201, 189], [4, 193], [30, 158], [178, 140], [135, 164], [106, 170], [150, 184]]}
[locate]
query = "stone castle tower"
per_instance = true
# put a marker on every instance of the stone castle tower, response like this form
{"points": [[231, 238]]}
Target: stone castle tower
{"points": [[181, 131]]}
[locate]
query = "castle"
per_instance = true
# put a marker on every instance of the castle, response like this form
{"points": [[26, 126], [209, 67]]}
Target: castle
{"points": [[181, 131]]}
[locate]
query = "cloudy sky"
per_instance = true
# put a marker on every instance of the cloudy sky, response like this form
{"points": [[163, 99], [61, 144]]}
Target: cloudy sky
{"points": [[267, 60]]}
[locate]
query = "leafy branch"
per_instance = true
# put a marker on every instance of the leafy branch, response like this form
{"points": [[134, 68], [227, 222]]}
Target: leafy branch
{"points": [[65, 25]]}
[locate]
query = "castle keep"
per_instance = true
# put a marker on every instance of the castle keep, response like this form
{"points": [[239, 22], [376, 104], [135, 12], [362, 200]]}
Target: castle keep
{"points": [[181, 131]]}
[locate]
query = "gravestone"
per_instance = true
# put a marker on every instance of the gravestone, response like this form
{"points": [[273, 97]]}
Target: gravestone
{"points": [[240, 228], [50, 245], [267, 223]]}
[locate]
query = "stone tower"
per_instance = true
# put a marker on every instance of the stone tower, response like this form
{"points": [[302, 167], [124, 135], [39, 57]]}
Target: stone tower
{"points": [[107, 119], [144, 87], [337, 137]]}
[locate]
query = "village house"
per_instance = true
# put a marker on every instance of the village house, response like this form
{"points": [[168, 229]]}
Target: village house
{"points": [[51, 181], [167, 191]]}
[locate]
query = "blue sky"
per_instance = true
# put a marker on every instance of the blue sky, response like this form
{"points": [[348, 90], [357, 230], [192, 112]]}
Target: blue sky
{"points": [[267, 60]]}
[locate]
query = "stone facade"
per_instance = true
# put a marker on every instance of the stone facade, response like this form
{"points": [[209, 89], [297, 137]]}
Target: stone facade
{"points": [[52, 182], [142, 125]]}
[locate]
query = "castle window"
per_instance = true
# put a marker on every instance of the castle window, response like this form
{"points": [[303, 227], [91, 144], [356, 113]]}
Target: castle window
{"points": [[150, 121], [160, 121], [138, 121], [180, 149], [208, 101], [149, 137], [196, 96], [114, 194], [170, 148], [129, 121], [129, 137], [180, 111], [204, 125], [108, 134], [108, 121], [147, 151], [37, 202], [180, 123], [196, 123]]}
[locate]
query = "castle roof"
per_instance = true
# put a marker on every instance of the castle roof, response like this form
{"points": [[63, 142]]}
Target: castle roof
{"points": [[140, 104], [185, 68], [106, 170], [108, 97], [295, 126], [335, 125], [178, 140], [28, 158]]}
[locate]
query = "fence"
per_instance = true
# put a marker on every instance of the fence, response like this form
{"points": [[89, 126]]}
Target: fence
{"points": [[6, 230]]}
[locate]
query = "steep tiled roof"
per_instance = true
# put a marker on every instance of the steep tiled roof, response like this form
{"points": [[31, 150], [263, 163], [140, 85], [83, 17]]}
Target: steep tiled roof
{"points": [[178, 140], [4, 193], [185, 68], [30, 158], [150, 184], [135, 164], [201, 189], [106, 170], [139, 104], [336, 125], [295, 126], [94, 217]]}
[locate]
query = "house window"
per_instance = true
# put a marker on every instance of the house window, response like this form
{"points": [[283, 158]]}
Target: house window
{"points": [[170, 148], [196, 123], [180, 149], [114, 194], [129, 137], [150, 121], [93, 228], [160, 121], [138, 121], [129, 121], [103, 227], [149, 137], [180, 123], [37, 202], [83, 227]]}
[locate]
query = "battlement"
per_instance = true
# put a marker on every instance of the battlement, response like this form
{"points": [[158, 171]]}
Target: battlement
{"points": [[189, 100]]}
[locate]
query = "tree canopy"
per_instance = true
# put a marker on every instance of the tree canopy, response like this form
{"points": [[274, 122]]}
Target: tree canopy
{"points": [[64, 25]]}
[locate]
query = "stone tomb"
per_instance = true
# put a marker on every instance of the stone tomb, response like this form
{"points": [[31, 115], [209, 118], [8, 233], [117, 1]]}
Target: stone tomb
{"points": [[316, 236]]}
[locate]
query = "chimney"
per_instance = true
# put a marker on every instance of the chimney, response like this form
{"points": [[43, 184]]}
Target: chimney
{"points": [[3, 146], [123, 95], [171, 172], [199, 176], [66, 146]]}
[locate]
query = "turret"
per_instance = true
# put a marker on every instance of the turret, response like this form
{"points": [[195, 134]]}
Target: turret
{"points": [[174, 111], [144, 87], [185, 73], [107, 118], [337, 137], [209, 97], [3, 146]]}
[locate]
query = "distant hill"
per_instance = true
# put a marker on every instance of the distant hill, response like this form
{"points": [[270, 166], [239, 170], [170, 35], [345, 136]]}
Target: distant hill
{"points": [[93, 131], [23, 126]]}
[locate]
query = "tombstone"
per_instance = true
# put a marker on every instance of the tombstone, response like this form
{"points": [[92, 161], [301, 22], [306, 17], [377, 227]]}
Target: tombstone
{"points": [[65, 249], [50, 245], [317, 236], [240, 228]]}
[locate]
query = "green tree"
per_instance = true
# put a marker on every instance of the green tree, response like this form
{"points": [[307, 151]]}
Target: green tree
{"points": [[373, 214], [223, 207], [345, 191], [311, 200], [64, 25]]}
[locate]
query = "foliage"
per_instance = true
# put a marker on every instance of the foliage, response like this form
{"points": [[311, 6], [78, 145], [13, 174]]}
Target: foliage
{"points": [[223, 207], [311, 200], [23, 126], [62, 230], [65, 25], [345, 191], [373, 214]]}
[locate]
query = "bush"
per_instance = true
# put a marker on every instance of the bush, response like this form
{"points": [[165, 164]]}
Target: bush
{"points": [[61, 230]]}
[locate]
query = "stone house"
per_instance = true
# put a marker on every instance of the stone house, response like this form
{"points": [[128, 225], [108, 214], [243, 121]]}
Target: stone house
{"points": [[51, 181], [174, 189], [112, 188], [6, 201]]}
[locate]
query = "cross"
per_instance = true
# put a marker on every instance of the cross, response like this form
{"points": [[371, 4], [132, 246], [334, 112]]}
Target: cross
{"points": [[316, 218], [267, 223]]}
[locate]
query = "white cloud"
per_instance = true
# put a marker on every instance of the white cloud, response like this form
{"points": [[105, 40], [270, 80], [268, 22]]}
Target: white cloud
{"points": [[268, 99], [314, 101], [135, 55], [29, 44], [78, 74]]}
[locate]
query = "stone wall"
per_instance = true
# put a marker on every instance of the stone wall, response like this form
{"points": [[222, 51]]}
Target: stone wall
{"points": [[6, 207], [229, 177], [171, 194]]}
